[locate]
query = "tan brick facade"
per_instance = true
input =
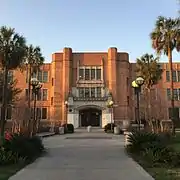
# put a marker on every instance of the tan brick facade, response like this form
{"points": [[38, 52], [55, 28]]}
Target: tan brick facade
{"points": [[115, 73]]}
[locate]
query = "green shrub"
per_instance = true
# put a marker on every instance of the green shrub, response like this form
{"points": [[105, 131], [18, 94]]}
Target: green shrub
{"points": [[8, 157], [25, 147], [109, 127], [140, 140], [68, 128]]}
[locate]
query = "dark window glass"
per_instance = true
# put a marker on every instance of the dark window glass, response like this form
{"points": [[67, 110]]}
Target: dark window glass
{"points": [[45, 76], [44, 113], [98, 74], [93, 93], [87, 93], [81, 92], [168, 93], [174, 77], [98, 92], [87, 74], [167, 76], [175, 94], [93, 76], [45, 94], [81, 74]]}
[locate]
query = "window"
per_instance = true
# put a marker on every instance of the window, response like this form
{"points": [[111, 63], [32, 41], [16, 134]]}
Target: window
{"points": [[128, 100], [44, 113], [81, 92], [167, 76], [39, 95], [175, 92], [42, 76], [168, 92], [87, 94], [44, 94], [9, 113], [93, 92], [81, 74], [173, 113], [45, 76], [98, 92], [87, 74], [52, 101], [93, 75], [174, 77], [41, 113], [98, 74], [52, 81], [178, 76]]}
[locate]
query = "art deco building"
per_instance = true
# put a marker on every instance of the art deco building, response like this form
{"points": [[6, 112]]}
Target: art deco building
{"points": [[77, 87]]}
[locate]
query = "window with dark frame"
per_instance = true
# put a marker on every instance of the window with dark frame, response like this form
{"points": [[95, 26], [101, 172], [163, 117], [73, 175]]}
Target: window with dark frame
{"points": [[174, 76], [167, 76], [93, 75], [87, 74], [98, 91], [87, 92], [93, 92], [168, 93], [81, 74], [98, 74], [81, 92]]}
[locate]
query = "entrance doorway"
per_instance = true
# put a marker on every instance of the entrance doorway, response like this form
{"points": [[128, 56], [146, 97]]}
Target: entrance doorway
{"points": [[90, 117]]}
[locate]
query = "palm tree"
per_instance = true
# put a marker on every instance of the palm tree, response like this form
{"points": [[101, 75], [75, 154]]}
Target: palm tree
{"points": [[148, 67], [33, 60], [166, 38], [12, 52]]}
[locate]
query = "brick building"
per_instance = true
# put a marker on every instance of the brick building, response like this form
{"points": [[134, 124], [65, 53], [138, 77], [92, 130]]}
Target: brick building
{"points": [[77, 87]]}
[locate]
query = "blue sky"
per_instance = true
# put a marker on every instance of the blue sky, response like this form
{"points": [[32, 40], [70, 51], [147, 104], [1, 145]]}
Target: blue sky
{"points": [[87, 25]]}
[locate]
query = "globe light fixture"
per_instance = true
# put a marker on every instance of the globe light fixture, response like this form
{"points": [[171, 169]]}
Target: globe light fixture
{"points": [[139, 81]]}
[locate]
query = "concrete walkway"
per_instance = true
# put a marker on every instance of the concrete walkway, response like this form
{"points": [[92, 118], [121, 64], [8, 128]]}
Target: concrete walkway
{"points": [[84, 156]]}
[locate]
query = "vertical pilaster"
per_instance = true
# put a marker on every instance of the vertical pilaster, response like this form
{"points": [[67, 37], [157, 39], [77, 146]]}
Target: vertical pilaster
{"points": [[67, 78]]}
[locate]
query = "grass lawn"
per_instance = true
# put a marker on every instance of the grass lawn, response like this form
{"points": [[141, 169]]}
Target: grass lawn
{"points": [[8, 171]]}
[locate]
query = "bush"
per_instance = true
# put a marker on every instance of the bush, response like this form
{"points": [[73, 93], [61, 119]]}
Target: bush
{"points": [[68, 128], [140, 140], [24, 147], [107, 127], [8, 157]]}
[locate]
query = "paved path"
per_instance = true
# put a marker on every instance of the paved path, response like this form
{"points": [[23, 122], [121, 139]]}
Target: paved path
{"points": [[83, 156]]}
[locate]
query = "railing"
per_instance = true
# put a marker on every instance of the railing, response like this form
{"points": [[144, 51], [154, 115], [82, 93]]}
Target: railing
{"points": [[90, 98]]}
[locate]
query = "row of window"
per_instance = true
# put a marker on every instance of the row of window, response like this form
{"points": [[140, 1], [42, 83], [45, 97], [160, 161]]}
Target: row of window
{"points": [[90, 92], [42, 76], [41, 96], [175, 76], [176, 94], [42, 113], [90, 74]]}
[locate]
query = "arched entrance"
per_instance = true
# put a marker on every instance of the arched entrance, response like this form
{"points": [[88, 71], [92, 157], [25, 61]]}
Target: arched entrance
{"points": [[90, 117]]}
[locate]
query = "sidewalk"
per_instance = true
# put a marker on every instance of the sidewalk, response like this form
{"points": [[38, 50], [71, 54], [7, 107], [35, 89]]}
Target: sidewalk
{"points": [[84, 156]]}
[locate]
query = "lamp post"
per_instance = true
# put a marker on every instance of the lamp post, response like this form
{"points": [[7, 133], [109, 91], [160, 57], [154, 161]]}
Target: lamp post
{"points": [[66, 105], [110, 106], [36, 86], [136, 84]]}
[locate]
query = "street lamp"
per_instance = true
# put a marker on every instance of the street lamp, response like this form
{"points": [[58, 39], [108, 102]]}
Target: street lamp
{"points": [[36, 86], [136, 84], [66, 105], [110, 106]]}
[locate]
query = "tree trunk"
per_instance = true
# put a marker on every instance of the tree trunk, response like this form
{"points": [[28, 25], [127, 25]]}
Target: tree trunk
{"points": [[4, 101], [29, 98], [171, 87]]}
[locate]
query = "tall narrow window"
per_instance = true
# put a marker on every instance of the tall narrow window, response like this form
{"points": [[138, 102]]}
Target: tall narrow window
{"points": [[174, 77], [87, 93], [87, 74], [40, 77], [44, 113], [168, 92], [167, 76], [93, 76], [81, 74], [175, 94], [93, 93], [178, 76], [45, 76], [26, 94], [81, 92], [44, 94], [98, 92], [52, 81], [98, 74], [39, 95]]}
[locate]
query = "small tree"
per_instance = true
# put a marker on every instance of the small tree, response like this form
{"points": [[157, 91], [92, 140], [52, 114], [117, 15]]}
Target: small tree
{"points": [[148, 67], [33, 62], [12, 52]]}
